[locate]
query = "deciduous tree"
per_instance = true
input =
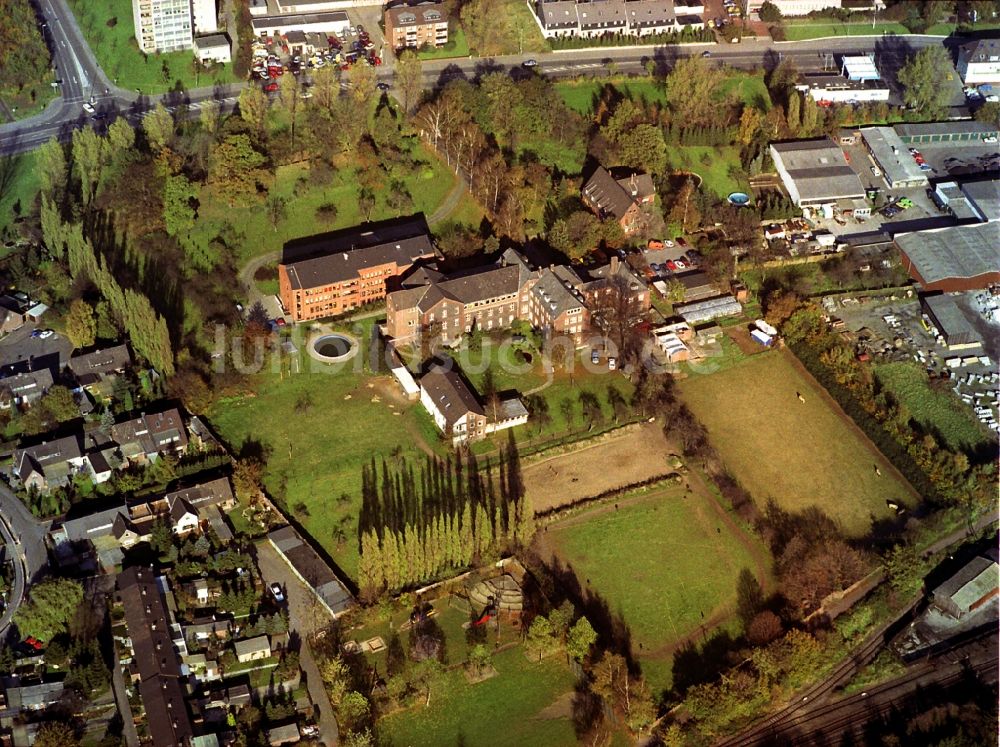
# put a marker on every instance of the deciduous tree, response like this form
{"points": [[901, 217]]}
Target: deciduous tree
{"points": [[158, 124], [81, 326], [50, 606], [409, 78], [921, 78]]}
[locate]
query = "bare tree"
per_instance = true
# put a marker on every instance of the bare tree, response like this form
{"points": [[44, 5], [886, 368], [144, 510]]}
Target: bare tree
{"points": [[616, 309]]}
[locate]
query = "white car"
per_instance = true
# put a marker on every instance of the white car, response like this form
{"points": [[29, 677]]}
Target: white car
{"points": [[279, 597], [875, 171], [88, 107], [530, 63], [46, 334], [990, 139]]}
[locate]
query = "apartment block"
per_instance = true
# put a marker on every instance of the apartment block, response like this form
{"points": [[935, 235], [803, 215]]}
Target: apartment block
{"points": [[416, 26], [163, 25]]}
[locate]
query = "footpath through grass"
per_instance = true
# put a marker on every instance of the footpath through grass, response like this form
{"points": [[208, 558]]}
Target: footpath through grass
{"points": [[936, 410], [108, 29], [800, 454]]}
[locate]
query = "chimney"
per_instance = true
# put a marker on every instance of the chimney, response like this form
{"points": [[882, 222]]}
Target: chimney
{"points": [[632, 184], [614, 264]]}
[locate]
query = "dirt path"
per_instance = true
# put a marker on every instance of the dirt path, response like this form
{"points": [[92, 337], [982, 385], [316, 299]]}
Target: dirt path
{"points": [[837, 410], [451, 200]]}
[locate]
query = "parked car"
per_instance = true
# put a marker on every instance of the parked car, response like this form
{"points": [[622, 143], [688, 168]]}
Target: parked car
{"points": [[88, 107], [612, 363], [530, 63], [46, 334], [595, 357], [875, 171], [276, 592]]}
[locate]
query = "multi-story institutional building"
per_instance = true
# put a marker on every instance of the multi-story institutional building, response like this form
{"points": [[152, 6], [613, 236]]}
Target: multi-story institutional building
{"points": [[979, 62], [558, 300], [163, 25], [416, 26], [621, 198], [205, 16], [342, 272]]}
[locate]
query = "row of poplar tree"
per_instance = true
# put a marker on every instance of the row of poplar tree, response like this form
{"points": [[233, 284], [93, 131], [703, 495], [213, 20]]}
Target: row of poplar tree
{"points": [[448, 514]]}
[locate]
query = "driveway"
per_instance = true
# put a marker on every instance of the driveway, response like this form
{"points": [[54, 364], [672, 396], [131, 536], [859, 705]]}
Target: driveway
{"points": [[19, 351], [305, 616]]}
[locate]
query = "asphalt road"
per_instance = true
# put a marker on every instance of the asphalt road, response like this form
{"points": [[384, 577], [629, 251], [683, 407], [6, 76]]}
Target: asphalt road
{"points": [[82, 77], [25, 538]]}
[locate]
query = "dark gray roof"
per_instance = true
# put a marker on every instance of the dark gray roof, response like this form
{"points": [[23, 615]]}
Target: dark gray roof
{"points": [[955, 327], [954, 252], [980, 50], [450, 394], [943, 128], [974, 581], [311, 568], [92, 526], [405, 15], [210, 493], [30, 384], [605, 193], [819, 169], [602, 14], [332, 260], [45, 456], [34, 696], [552, 294]]}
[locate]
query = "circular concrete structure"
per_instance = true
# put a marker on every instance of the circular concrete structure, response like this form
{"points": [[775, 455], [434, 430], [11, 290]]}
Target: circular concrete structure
{"points": [[333, 347]]}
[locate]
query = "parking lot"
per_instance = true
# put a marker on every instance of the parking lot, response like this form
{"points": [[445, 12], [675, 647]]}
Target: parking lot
{"points": [[19, 350]]}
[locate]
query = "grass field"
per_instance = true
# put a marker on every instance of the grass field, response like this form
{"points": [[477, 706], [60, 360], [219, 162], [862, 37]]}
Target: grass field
{"points": [[107, 27], [800, 454], [527, 702], [807, 29], [31, 99], [508, 709], [316, 440], [748, 87], [664, 561], [581, 95], [18, 186], [940, 411], [718, 167], [255, 235]]}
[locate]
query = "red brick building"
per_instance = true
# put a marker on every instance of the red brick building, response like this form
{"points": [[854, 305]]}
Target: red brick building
{"points": [[621, 198], [334, 275], [415, 26]]}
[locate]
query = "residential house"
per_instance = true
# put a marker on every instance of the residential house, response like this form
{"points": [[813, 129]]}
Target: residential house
{"points": [[252, 649], [201, 667], [24, 389], [96, 371], [452, 404], [330, 276], [50, 464], [416, 26], [31, 696], [204, 629], [145, 438], [183, 518], [621, 199], [154, 658], [11, 314], [979, 62], [595, 18]]}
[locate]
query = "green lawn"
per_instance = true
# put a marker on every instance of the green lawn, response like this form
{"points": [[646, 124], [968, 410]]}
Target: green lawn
{"points": [[799, 453], [107, 27], [937, 411], [317, 428], [457, 45], [712, 164], [508, 709], [428, 185], [748, 87], [808, 29], [581, 95], [18, 187], [31, 99], [659, 561]]}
